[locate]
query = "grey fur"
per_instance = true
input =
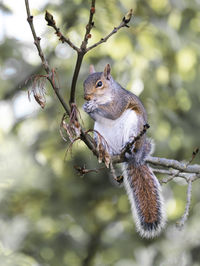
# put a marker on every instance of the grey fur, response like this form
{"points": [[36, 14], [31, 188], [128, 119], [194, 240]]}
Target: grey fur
{"points": [[91, 81], [111, 108]]}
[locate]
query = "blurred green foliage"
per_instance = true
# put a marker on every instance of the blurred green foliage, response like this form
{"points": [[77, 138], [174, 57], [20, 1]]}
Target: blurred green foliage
{"points": [[49, 215]]}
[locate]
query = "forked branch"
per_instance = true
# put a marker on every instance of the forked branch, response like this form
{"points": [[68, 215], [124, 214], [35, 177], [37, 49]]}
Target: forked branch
{"points": [[172, 168], [86, 138]]}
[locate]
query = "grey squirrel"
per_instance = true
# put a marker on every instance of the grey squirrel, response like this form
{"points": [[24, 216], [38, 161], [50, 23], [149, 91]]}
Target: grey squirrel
{"points": [[119, 117]]}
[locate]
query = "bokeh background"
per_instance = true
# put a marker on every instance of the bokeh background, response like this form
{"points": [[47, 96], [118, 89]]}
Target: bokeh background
{"points": [[49, 215]]}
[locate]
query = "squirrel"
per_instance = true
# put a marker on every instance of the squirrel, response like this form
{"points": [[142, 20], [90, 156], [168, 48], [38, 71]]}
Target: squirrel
{"points": [[119, 117]]}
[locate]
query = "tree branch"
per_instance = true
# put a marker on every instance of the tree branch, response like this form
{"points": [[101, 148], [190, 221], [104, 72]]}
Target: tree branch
{"points": [[88, 27], [81, 52], [181, 166], [172, 173], [45, 64], [75, 77], [51, 22]]}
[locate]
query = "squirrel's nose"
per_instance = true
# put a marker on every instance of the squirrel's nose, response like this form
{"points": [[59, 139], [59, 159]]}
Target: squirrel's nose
{"points": [[87, 97]]}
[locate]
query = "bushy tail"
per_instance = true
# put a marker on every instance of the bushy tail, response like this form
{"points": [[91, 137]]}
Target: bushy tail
{"points": [[144, 193]]}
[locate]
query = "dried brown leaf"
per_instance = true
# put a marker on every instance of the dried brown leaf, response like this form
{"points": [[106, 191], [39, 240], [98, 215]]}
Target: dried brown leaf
{"points": [[38, 89], [40, 100], [107, 158]]}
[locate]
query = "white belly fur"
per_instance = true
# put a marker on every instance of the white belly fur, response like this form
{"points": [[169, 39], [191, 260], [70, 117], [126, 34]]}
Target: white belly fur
{"points": [[118, 132]]}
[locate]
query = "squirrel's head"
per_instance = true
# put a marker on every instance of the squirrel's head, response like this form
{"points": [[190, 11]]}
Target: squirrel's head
{"points": [[98, 84]]}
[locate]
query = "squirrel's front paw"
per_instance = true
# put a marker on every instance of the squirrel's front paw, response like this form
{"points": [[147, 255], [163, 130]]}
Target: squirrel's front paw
{"points": [[89, 106]]}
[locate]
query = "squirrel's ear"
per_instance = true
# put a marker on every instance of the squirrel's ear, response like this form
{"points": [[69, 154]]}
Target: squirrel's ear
{"points": [[92, 70], [106, 71]]}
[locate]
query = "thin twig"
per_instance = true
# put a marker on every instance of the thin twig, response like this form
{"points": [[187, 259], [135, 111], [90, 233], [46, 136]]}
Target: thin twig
{"points": [[83, 171], [178, 172], [172, 173], [115, 30], [183, 219], [36, 39], [195, 168], [89, 26]]}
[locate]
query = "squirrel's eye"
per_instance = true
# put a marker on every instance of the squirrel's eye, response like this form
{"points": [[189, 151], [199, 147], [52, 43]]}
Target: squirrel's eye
{"points": [[99, 84]]}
